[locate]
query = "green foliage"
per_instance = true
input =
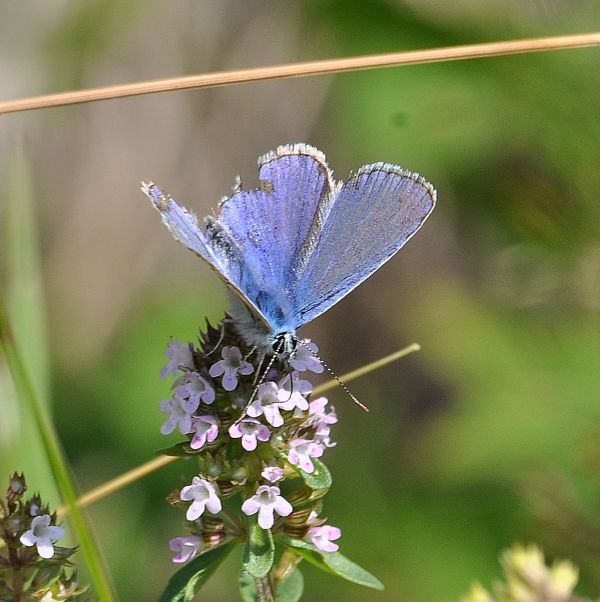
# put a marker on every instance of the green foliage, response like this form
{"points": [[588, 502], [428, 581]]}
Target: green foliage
{"points": [[187, 581], [288, 590], [320, 478], [491, 434], [259, 552], [20, 447], [336, 564], [291, 588]]}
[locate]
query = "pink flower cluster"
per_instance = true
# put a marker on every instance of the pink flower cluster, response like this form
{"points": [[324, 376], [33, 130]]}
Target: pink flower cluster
{"points": [[287, 432]]}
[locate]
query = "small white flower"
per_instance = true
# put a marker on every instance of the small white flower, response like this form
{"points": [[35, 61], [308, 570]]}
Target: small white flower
{"points": [[266, 501], [206, 431], [251, 431], [195, 388], [186, 547], [180, 357], [203, 495], [267, 402], [301, 452], [291, 392], [272, 473], [41, 535], [322, 538], [303, 358], [180, 411]]}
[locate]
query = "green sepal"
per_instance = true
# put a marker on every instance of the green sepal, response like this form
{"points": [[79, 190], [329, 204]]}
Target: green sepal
{"points": [[334, 563], [259, 552], [320, 478], [187, 581]]}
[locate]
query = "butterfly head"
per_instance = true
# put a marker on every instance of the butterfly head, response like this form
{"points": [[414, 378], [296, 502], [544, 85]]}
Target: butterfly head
{"points": [[284, 343]]}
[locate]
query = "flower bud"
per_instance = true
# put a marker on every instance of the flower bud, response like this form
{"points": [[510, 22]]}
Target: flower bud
{"points": [[15, 524], [17, 487]]}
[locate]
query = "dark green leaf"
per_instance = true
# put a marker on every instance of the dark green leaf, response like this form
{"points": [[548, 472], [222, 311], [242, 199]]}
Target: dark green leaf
{"points": [[290, 589], [260, 550], [187, 581], [335, 563], [320, 478]]}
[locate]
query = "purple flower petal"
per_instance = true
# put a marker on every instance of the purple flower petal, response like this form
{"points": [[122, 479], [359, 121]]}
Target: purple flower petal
{"points": [[194, 511], [249, 442], [214, 505], [45, 548], [246, 368], [265, 517], [263, 433], [230, 381], [217, 369], [28, 538], [250, 506], [234, 431], [282, 506]]}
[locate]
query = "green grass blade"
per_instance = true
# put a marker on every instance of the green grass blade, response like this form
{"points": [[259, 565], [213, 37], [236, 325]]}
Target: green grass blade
{"points": [[29, 381], [30, 400], [20, 448]]}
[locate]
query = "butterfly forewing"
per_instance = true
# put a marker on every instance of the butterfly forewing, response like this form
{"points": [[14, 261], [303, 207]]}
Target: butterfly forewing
{"points": [[269, 225], [371, 218]]}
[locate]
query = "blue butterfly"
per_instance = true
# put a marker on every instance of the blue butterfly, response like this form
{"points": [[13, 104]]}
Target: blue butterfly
{"points": [[301, 241]]}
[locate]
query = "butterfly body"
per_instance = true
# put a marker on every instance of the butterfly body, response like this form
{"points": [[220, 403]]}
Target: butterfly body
{"points": [[301, 241]]}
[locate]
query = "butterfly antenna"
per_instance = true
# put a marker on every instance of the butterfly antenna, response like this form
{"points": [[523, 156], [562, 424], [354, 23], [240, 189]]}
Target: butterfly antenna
{"points": [[258, 369], [362, 406], [291, 387], [260, 381]]}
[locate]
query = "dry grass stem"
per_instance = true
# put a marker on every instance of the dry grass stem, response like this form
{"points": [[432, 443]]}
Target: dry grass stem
{"points": [[321, 67]]}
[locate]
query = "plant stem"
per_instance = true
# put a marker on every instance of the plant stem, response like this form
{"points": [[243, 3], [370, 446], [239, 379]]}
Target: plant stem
{"points": [[264, 590], [17, 570], [287, 563]]}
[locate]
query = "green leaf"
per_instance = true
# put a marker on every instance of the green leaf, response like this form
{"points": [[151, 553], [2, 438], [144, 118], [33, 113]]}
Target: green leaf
{"points": [[187, 581], [290, 589], [320, 478], [336, 564], [259, 552], [247, 587], [179, 450]]}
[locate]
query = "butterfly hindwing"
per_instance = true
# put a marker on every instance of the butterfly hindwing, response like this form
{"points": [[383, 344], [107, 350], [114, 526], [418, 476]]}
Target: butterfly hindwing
{"points": [[211, 243]]}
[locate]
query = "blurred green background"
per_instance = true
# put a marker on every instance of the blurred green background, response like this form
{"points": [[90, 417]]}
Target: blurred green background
{"points": [[490, 435]]}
